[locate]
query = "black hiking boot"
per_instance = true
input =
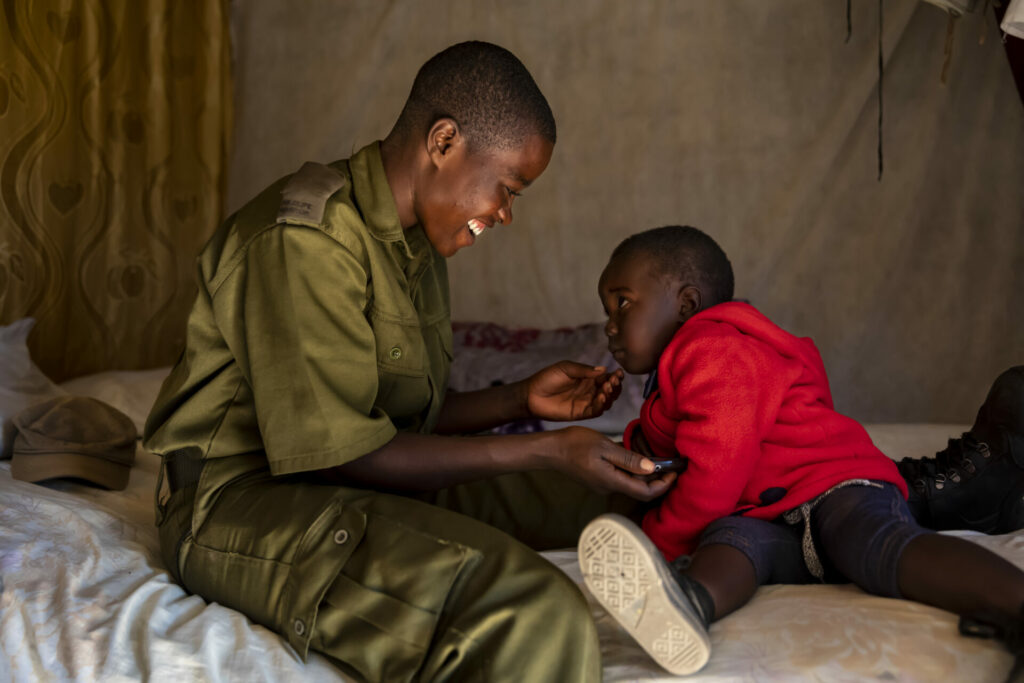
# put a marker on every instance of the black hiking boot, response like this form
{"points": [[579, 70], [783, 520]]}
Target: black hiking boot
{"points": [[977, 482]]}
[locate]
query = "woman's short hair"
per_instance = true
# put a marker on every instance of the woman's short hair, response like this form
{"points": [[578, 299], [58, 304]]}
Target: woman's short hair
{"points": [[486, 90]]}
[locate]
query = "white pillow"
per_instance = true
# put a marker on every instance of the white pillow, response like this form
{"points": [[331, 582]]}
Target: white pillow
{"points": [[22, 384]]}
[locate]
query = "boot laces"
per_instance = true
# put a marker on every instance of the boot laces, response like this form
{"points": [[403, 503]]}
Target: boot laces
{"points": [[947, 467]]}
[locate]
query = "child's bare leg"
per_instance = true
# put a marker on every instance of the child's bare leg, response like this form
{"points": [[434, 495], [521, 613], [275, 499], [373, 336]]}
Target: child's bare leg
{"points": [[870, 536], [738, 554], [932, 570], [726, 574]]}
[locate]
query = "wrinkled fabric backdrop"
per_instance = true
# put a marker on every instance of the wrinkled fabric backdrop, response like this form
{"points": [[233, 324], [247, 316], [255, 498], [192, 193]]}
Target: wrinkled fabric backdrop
{"points": [[752, 120], [755, 121]]}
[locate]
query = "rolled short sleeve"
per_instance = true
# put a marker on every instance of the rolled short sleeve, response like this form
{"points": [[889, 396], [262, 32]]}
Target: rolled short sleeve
{"points": [[295, 308]]}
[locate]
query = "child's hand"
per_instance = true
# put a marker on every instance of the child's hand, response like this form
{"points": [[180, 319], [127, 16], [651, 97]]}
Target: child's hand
{"points": [[572, 391]]}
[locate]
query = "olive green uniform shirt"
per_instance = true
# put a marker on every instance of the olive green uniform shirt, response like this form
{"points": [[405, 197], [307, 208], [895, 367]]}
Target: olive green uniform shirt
{"points": [[320, 330]]}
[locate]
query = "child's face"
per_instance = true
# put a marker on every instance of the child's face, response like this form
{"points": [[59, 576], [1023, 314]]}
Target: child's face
{"points": [[644, 309]]}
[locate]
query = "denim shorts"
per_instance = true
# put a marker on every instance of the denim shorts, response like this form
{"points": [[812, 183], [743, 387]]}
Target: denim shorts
{"points": [[859, 532]]}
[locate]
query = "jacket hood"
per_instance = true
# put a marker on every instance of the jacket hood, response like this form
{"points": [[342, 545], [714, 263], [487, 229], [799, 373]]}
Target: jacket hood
{"points": [[750, 321]]}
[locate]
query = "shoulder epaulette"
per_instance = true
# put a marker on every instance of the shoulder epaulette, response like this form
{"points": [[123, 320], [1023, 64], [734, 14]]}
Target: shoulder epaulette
{"points": [[305, 195]]}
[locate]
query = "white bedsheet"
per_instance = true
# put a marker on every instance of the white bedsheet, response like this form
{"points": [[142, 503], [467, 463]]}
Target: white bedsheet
{"points": [[83, 597]]}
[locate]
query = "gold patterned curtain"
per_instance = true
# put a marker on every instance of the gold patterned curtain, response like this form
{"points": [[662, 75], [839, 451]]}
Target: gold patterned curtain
{"points": [[115, 118]]}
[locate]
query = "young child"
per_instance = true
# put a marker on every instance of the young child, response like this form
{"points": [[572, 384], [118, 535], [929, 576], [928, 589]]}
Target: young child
{"points": [[778, 487]]}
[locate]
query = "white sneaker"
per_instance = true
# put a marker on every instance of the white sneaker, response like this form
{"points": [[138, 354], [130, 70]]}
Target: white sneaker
{"points": [[630, 578]]}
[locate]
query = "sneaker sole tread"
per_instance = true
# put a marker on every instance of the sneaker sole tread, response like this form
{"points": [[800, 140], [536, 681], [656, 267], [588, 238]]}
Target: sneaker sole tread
{"points": [[626, 574]]}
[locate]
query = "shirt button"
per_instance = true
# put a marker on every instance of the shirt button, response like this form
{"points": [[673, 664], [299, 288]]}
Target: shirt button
{"points": [[340, 536], [396, 353], [300, 628]]}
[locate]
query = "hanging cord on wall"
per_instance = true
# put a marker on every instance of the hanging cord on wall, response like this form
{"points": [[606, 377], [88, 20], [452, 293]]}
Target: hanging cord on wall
{"points": [[849, 32], [947, 51], [983, 30], [880, 26]]}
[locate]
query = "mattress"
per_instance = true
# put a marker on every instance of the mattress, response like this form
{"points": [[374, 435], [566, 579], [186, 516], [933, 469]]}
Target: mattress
{"points": [[84, 597]]}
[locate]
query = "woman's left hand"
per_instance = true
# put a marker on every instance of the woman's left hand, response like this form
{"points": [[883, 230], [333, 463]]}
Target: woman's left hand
{"points": [[572, 391]]}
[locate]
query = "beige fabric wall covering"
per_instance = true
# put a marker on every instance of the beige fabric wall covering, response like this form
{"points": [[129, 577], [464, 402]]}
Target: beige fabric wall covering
{"points": [[114, 120], [750, 119]]}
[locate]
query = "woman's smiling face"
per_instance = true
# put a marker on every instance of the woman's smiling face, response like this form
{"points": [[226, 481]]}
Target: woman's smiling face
{"points": [[472, 190], [644, 309]]}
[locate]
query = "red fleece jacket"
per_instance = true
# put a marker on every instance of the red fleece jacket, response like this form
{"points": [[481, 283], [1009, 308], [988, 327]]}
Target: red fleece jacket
{"points": [[749, 405]]}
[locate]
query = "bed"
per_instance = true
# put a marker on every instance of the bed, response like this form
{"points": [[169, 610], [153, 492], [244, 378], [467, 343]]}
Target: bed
{"points": [[84, 595]]}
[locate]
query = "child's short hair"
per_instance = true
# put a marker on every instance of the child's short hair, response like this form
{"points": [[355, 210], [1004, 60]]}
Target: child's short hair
{"points": [[688, 255]]}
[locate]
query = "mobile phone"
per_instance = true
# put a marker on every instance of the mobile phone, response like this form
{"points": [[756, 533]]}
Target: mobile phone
{"points": [[662, 465]]}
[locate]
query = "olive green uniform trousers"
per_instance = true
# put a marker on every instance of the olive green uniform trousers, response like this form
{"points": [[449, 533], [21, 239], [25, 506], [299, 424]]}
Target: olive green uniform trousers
{"points": [[434, 589]]}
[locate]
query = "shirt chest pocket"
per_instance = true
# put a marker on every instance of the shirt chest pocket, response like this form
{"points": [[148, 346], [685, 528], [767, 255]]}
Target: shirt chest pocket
{"points": [[404, 389]]}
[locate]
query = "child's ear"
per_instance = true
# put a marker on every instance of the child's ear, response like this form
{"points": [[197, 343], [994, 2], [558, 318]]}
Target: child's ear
{"points": [[689, 302]]}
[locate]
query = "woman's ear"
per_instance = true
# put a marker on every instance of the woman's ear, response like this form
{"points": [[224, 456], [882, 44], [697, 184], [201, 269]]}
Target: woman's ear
{"points": [[689, 302], [444, 136]]}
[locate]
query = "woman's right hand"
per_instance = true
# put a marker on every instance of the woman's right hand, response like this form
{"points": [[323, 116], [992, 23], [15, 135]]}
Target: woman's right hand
{"points": [[605, 466]]}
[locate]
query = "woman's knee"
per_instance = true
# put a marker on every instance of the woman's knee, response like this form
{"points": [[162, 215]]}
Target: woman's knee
{"points": [[519, 617], [530, 578]]}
